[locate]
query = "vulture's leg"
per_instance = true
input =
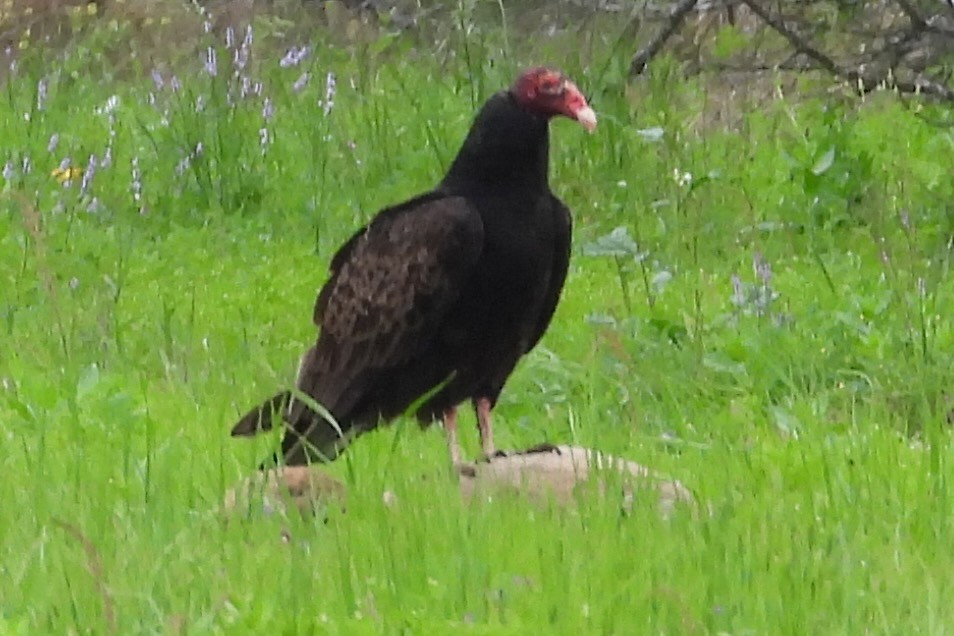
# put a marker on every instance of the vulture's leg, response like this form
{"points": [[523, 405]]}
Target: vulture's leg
{"points": [[450, 430], [482, 406]]}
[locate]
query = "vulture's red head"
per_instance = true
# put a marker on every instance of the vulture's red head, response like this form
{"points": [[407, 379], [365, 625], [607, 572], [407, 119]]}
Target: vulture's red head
{"points": [[549, 93]]}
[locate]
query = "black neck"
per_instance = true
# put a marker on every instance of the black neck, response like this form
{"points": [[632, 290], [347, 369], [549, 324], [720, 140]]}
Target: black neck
{"points": [[506, 148]]}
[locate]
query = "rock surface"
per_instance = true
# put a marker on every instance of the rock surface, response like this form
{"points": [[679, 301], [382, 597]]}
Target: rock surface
{"points": [[540, 473], [558, 472]]}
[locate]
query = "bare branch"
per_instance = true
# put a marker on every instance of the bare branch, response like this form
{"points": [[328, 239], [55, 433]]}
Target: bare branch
{"points": [[794, 38], [949, 5], [864, 82], [638, 64], [917, 22], [920, 85]]}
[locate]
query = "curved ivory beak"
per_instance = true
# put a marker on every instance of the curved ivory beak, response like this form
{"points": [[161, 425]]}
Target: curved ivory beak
{"points": [[587, 118], [575, 107]]}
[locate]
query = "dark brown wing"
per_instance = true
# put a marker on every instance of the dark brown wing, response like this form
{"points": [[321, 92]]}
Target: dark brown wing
{"points": [[390, 288], [562, 232]]}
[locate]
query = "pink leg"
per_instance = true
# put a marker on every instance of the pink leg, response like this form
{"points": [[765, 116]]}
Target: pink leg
{"points": [[482, 405], [450, 430]]}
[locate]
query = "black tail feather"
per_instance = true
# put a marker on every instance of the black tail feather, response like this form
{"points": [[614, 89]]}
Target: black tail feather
{"points": [[310, 437], [263, 417], [315, 438]]}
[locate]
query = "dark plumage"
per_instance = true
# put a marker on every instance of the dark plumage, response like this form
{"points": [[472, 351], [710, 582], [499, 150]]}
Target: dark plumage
{"points": [[440, 296]]}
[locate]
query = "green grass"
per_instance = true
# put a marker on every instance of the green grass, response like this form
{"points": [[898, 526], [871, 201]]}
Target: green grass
{"points": [[810, 415]]}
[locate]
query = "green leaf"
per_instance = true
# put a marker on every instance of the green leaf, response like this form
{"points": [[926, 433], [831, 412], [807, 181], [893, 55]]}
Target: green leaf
{"points": [[87, 382], [617, 243], [653, 134], [785, 422], [824, 162]]}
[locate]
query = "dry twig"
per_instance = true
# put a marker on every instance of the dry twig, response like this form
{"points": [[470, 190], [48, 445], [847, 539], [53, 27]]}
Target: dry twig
{"points": [[865, 82], [94, 566], [638, 64]]}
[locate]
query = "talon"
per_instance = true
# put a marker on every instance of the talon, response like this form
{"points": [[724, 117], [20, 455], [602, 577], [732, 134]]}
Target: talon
{"points": [[497, 454], [545, 447]]}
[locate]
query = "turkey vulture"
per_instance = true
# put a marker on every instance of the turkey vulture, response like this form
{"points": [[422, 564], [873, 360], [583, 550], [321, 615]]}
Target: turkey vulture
{"points": [[436, 299]]}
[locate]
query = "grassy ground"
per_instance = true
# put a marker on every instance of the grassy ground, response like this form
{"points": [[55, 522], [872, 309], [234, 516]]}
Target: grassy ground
{"points": [[759, 310]]}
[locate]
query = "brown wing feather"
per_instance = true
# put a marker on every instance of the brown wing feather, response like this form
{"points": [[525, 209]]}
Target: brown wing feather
{"points": [[391, 286]]}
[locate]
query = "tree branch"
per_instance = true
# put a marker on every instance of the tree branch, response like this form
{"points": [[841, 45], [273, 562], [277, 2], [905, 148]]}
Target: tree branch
{"points": [[638, 64], [865, 83], [917, 22]]}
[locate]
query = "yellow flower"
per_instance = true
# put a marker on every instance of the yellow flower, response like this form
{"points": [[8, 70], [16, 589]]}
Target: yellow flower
{"points": [[66, 175]]}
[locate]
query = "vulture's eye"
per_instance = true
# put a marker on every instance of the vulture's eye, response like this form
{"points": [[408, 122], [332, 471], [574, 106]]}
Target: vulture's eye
{"points": [[551, 86]]}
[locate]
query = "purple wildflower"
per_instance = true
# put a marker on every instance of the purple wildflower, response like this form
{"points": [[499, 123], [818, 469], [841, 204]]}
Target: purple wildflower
{"points": [[186, 161], [294, 56], [229, 37], [109, 109], [300, 82], [51, 145], [763, 271], [246, 87], [755, 298], [329, 102], [738, 293], [8, 171], [268, 110], [136, 183], [157, 80], [41, 93], [263, 138], [211, 63], [240, 59], [88, 175], [287, 59], [174, 84]]}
